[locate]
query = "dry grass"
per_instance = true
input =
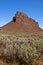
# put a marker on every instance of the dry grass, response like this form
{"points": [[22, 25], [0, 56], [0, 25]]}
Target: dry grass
{"points": [[21, 49]]}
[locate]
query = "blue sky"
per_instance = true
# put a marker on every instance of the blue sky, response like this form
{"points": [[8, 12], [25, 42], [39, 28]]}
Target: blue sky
{"points": [[33, 8]]}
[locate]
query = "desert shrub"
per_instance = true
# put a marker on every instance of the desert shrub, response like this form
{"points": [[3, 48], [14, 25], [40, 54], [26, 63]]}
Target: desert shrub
{"points": [[23, 52], [7, 51], [26, 53], [1, 42], [39, 45]]}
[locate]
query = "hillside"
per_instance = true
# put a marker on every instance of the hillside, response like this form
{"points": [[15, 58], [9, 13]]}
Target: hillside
{"points": [[21, 22]]}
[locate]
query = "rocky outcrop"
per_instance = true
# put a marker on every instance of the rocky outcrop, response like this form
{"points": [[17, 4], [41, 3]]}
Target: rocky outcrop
{"points": [[21, 22]]}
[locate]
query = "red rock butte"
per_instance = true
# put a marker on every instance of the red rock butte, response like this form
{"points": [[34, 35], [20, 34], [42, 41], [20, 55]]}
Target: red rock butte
{"points": [[21, 22]]}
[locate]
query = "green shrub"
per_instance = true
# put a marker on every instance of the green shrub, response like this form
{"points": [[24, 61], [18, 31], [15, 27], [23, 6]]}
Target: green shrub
{"points": [[24, 52]]}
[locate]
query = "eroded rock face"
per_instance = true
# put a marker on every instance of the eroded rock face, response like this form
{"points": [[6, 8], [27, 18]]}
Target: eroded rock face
{"points": [[27, 22], [22, 17], [19, 16]]}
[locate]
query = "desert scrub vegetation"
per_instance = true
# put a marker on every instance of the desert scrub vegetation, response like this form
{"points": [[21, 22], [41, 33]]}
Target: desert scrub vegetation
{"points": [[27, 54], [1, 42], [39, 46], [26, 51]]}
